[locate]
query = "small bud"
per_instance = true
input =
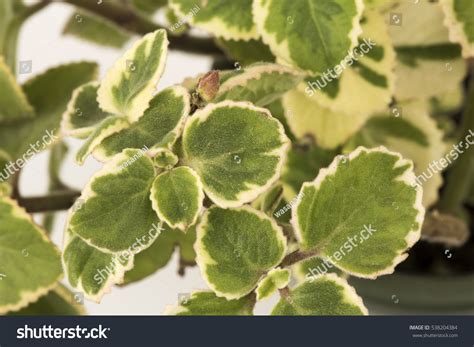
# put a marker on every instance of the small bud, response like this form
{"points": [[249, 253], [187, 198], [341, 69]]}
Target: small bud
{"points": [[208, 86]]}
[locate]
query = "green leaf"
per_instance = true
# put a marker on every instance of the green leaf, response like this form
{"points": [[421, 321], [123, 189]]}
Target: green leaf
{"points": [[58, 302], [13, 102], [109, 126], [365, 203], [149, 7], [303, 165], [246, 52], [6, 15], [231, 20], [83, 113], [95, 29], [328, 295], [177, 197], [460, 23], [306, 117], [160, 126], [165, 159], [309, 268], [91, 270], [268, 201], [208, 304], [128, 87], [367, 69], [260, 84], [237, 149], [16, 139], [116, 209], [236, 248], [30, 264], [276, 279], [415, 135], [286, 25]]}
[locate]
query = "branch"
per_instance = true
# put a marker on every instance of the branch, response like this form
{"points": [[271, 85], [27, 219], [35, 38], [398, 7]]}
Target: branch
{"points": [[296, 257], [132, 21], [56, 201]]}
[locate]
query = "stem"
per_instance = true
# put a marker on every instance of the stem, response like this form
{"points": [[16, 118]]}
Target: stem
{"points": [[296, 257], [459, 177], [56, 201], [136, 23]]}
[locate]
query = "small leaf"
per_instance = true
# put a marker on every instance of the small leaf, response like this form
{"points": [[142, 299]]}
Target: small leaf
{"points": [[83, 113], [16, 139], [208, 304], [459, 21], [165, 159], [160, 126], [327, 295], [92, 271], [149, 7], [364, 203], [13, 102], [235, 249], [96, 29], [231, 20], [109, 126], [260, 84], [128, 87], [237, 150], [286, 25], [276, 279], [177, 197], [116, 210], [268, 201], [58, 302], [30, 264], [310, 268]]}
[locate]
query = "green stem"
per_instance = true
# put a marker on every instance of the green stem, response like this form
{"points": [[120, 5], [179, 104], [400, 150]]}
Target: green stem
{"points": [[459, 177], [296, 257], [136, 23], [56, 201]]}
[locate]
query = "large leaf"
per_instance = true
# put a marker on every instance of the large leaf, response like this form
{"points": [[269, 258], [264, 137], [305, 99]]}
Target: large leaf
{"points": [[327, 295], [332, 25], [246, 52], [95, 29], [459, 19], [128, 87], [58, 302], [160, 126], [30, 265], [177, 197], [260, 84], [416, 136], [237, 149], [208, 304], [367, 69], [116, 209], [83, 112], [13, 102], [229, 19], [60, 82], [306, 117], [236, 248], [362, 213], [91, 271]]}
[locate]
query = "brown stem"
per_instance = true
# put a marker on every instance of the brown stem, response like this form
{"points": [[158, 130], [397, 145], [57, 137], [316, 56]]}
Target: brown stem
{"points": [[56, 201], [136, 23], [297, 256]]}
